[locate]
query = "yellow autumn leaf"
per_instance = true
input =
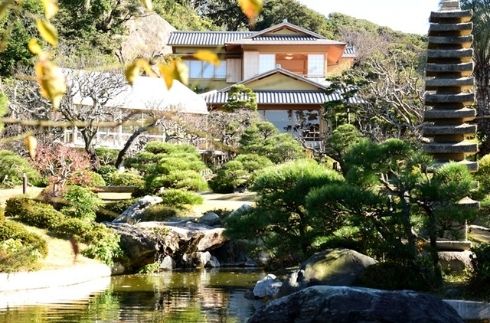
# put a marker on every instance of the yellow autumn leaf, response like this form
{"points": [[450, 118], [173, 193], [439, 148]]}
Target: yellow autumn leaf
{"points": [[175, 70], [34, 46], [132, 71], [147, 4], [207, 56], [251, 8], [51, 81], [30, 142], [47, 31], [50, 8]]}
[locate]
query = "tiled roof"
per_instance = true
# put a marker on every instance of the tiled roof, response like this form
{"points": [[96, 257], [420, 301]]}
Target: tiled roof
{"points": [[282, 97], [205, 38], [220, 38]]}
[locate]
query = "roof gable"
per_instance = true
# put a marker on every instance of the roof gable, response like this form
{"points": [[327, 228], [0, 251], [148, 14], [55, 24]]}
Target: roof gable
{"points": [[279, 79], [286, 28]]}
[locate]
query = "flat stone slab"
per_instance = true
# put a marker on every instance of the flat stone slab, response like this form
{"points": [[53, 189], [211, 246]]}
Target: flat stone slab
{"points": [[449, 148], [450, 14], [450, 27], [450, 82], [470, 310], [466, 113], [449, 130], [450, 40], [450, 98], [449, 68], [453, 245], [453, 53]]}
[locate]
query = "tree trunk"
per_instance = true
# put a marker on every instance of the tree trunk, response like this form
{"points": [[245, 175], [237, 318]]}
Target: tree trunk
{"points": [[129, 142], [407, 225], [433, 247]]}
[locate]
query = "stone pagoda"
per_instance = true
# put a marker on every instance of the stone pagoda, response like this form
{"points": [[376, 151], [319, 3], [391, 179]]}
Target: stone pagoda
{"points": [[450, 87]]}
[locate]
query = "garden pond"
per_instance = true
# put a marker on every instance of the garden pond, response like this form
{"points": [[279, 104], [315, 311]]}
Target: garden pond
{"points": [[182, 296]]}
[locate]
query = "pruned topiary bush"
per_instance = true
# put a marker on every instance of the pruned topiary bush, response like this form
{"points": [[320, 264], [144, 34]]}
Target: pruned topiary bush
{"points": [[180, 198], [158, 212], [239, 173], [12, 169], [165, 165], [33, 213]]}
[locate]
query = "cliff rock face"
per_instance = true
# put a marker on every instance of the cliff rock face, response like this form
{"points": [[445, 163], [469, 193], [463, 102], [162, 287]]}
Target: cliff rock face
{"points": [[147, 37]]}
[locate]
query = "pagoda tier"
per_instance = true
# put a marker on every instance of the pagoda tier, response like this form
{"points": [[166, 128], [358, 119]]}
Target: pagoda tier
{"points": [[450, 87]]}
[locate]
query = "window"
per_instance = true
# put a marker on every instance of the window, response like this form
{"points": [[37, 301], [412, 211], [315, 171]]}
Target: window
{"points": [[267, 62], [316, 65], [203, 70]]}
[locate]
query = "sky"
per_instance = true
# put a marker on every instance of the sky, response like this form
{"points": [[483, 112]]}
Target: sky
{"points": [[403, 15]]}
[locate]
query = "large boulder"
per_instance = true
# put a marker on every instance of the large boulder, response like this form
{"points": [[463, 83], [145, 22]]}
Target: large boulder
{"points": [[347, 304], [210, 218], [334, 267], [455, 262], [147, 36], [184, 242]]}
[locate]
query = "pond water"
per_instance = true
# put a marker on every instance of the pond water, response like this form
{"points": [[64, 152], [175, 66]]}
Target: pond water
{"points": [[198, 296]]}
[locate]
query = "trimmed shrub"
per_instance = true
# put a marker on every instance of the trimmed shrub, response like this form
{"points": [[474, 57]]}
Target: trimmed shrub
{"points": [[12, 169], [70, 227], [33, 213], [158, 147], [184, 179], [2, 215], [82, 203], [106, 172], [238, 173], [126, 179], [180, 198], [20, 250], [86, 178], [169, 166], [12, 230], [103, 244], [158, 212]]}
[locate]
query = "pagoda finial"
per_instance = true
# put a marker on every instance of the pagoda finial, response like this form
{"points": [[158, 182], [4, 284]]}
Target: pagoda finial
{"points": [[449, 5]]}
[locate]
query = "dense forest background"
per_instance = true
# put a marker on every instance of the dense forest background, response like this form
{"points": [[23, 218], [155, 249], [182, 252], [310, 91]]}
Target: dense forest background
{"points": [[97, 28]]}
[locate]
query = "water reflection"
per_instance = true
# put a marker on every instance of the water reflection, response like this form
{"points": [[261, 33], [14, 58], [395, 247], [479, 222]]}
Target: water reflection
{"points": [[205, 296]]}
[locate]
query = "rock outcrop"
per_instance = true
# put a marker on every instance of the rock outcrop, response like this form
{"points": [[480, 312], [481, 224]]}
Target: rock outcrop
{"points": [[174, 244], [147, 37], [347, 304], [335, 267], [455, 262]]}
